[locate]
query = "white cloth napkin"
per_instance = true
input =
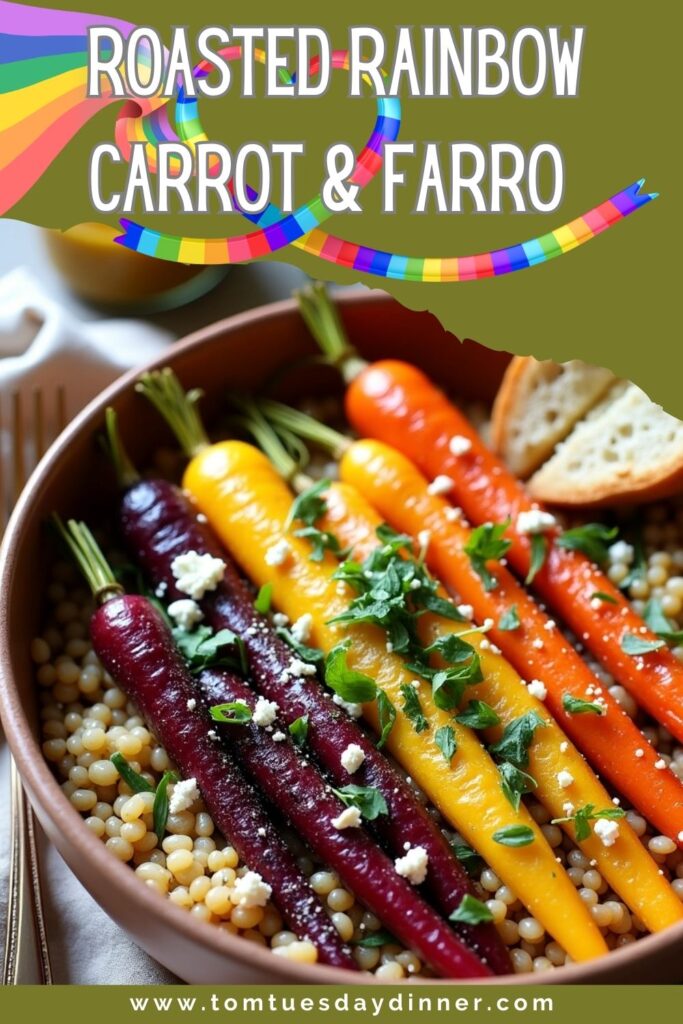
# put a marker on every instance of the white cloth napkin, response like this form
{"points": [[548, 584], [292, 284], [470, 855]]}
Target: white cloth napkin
{"points": [[42, 346]]}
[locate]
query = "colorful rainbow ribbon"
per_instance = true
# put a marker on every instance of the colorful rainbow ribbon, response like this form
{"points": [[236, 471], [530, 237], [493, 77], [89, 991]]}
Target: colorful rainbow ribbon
{"points": [[43, 104]]}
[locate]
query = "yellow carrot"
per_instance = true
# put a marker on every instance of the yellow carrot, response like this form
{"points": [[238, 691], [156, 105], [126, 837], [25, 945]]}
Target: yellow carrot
{"points": [[247, 504]]}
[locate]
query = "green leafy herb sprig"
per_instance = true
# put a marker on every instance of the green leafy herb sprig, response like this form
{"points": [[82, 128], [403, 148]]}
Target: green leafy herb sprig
{"points": [[583, 817], [308, 508]]}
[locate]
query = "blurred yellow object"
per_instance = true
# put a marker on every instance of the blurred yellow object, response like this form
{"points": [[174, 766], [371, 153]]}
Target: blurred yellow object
{"points": [[109, 275]]}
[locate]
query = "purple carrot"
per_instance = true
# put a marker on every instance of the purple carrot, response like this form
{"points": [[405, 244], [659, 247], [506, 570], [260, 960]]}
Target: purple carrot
{"points": [[137, 649], [299, 791], [159, 523]]}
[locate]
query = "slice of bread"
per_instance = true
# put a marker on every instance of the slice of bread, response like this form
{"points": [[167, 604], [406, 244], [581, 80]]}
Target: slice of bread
{"points": [[626, 450], [537, 405]]}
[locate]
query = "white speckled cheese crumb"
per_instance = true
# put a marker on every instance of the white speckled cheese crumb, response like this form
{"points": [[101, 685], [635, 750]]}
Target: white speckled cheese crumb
{"points": [[186, 613], [301, 629], [564, 747], [466, 610], [660, 765], [251, 891], [196, 574], [568, 809], [191, 704], [441, 484], [537, 689], [413, 866], [350, 817], [352, 758], [279, 737], [458, 444], [264, 712], [277, 553], [183, 796], [423, 538], [606, 831], [565, 779], [354, 710], [535, 521]]}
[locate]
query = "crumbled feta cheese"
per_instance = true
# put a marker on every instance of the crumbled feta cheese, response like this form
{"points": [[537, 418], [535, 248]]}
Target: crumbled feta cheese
{"points": [[538, 689], [251, 891], [415, 584], [350, 817], [195, 574], [301, 629], [564, 779], [441, 484], [423, 538], [354, 710], [183, 796], [264, 712], [278, 552], [606, 831], [640, 752], [297, 667], [549, 625], [568, 809], [620, 551], [413, 866], [680, 837], [260, 831], [660, 765], [452, 514], [186, 613], [488, 624], [201, 518], [191, 704], [458, 444], [161, 589], [352, 758], [495, 649], [535, 521], [213, 735], [389, 647], [279, 737], [466, 610], [564, 747], [538, 644], [596, 604]]}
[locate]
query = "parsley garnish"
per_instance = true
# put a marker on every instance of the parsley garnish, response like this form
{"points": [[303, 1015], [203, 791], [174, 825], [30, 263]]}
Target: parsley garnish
{"points": [[607, 598], [469, 858], [513, 746], [634, 645], [471, 911], [348, 684], [374, 939], [659, 624], [313, 655], [487, 544], [205, 649], [478, 715], [444, 737], [514, 835], [308, 508], [160, 806], [509, 620], [578, 706], [413, 708], [298, 730], [386, 714], [263, 598], [133, 780], [539, 553], [591, 539], [367, 799], [232, 713], [514, 783], [585, 815]]}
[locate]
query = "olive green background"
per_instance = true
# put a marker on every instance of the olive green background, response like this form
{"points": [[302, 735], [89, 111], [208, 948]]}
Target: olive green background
{"points": [[614, 301]]}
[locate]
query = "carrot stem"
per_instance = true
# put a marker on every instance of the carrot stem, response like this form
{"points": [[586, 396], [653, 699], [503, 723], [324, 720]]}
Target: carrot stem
{"points": [[284, 417], [126, 473], [323, 321], [179, 408], [91, 561]]}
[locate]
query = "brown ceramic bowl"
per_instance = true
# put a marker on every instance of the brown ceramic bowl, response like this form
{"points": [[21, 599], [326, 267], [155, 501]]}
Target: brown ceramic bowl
{"points": [[239, 353]]}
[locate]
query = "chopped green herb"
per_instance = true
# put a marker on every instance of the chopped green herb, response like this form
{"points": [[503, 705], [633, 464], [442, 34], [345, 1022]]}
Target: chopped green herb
{"points": [[132, 779], [513, 746], [514, 783], [592, 539], [160, 806], [634, 645], [659, 624], [469, 858], [583, 817], [321, 541], [452, 649], [205, 649], [444, 737], [263, 598], [232, 713], [509, 620], [313, 655], [578, 706], [309, 506], [478, 715], [471, 911], [351, 686], [514, 835], [413, 708], [367, 799], [449, 685], [539, 553], [607, 598], [386, 714], [487, 544], [298, 730], [375, 939]]}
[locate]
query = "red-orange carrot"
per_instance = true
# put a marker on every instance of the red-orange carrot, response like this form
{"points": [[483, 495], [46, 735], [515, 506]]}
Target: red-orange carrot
{"points": [[395, 402]]}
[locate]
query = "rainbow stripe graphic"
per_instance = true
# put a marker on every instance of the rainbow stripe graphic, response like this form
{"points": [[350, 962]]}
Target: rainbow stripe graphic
{"points": [[44, 103]]}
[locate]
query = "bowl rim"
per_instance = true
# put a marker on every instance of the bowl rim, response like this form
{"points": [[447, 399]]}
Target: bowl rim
{"points": [[46, 792]]}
